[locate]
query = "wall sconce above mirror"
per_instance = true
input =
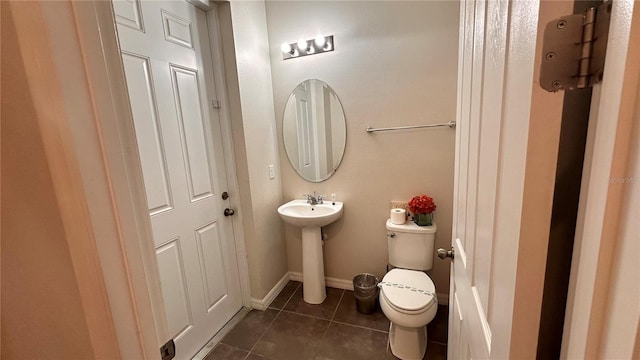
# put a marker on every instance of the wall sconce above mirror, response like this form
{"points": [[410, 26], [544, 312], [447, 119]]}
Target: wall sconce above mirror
{"points": [[320, 44], [314, 130]]}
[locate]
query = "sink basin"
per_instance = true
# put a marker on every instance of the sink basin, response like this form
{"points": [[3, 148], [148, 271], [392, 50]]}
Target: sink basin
{"points": [[310, 218], [302, 214]]}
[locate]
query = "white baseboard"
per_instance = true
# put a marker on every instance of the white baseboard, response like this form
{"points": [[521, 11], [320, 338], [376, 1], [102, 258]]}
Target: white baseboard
{"points": [[329, 281], [443, 299], [263, 304]]}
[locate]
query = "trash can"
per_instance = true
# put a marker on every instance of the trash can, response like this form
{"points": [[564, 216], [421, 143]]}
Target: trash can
{"points": [[365, 290]]}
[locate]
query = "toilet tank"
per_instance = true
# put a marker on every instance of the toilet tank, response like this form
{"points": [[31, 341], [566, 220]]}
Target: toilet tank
{"points": [[411, 246]]}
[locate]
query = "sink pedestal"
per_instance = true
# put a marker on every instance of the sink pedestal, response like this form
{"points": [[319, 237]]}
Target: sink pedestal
{"points": [[314, 291], [311, 217]]}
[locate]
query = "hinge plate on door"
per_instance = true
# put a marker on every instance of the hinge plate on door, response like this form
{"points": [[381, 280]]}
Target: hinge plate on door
{"points": [[216, 104], [574, 50]]}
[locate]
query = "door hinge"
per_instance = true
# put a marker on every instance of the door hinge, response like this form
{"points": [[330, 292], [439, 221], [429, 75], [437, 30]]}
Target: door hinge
{"points": [[168, 350], [574, 49], [216, 104]]}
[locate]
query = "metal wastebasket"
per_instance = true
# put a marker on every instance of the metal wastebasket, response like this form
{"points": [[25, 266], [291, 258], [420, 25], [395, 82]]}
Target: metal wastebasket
{"points": [[365, 290]]}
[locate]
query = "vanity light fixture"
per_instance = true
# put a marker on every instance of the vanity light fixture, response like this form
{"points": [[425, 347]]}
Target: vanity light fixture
{"points": [[320, 41], [302, 47], [288, 49]]}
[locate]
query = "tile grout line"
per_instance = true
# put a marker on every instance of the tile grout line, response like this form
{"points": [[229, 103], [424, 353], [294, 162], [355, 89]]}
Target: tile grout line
{"points": [[307, 315], [220, 334], [332, 316], [360, 327], [301, 314], [246, 356], [337, 306], [272, 321], [288, 299], [332, 320], [349, 324], [334, 313], [261, 335]]}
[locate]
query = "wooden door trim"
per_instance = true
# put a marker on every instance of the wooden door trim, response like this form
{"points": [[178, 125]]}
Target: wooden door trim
{"points": [[599, 216], [76, 93], [215, 38], [98, 40], [93, 151]]}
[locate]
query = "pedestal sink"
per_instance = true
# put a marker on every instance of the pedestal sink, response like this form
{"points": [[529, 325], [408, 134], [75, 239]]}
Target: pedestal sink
{"points": [[310, 218]]}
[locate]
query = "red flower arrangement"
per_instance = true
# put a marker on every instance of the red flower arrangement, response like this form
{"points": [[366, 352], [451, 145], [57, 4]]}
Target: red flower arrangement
{"points": [[422, 204]]}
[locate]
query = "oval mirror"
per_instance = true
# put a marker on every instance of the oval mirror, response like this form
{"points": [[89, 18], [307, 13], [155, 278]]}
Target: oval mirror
{"points": [[314, 130]]}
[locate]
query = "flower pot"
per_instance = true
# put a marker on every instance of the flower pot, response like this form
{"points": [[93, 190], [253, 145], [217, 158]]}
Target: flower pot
{"points": [[423, 219]]}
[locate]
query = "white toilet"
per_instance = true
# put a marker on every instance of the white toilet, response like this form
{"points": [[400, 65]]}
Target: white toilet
{"points": [[407, 294]]}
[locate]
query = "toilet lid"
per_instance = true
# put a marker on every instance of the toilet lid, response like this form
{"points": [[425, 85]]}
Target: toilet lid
{"points": [[408, 290]]}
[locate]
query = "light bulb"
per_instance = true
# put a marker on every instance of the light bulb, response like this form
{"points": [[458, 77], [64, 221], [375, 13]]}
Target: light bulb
{"points": [[311, 50], [302, 44], [328, 47], [319, 40], [286, 48]]}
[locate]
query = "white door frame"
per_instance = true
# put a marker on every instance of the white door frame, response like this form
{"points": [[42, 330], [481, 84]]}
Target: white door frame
{"points": [[215, 37], [75, 72], [597, 323]]}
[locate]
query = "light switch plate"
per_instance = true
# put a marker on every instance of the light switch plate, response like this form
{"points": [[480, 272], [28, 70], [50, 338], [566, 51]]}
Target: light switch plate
{"points": [[272, 172]]}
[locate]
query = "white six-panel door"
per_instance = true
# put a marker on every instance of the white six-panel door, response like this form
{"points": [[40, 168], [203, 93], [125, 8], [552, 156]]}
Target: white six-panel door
{"points": [[167, 61], [494, 281], [477, 146], [481, 279]]}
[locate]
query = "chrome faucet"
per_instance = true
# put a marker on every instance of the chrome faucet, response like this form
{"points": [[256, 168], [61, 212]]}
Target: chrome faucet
{"points": [[314, 199]]}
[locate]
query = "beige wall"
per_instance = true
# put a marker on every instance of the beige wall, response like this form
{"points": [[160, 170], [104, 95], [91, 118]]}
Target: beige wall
{"points": [[254, 132], [395, 64], [42, 315]]}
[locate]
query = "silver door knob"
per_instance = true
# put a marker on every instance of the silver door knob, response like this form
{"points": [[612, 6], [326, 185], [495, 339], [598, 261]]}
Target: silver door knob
{"points": [[443, 254], [229, 212]]}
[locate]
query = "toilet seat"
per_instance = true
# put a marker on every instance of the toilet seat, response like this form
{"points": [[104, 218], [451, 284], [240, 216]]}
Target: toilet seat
{"points": [[408, 291]]}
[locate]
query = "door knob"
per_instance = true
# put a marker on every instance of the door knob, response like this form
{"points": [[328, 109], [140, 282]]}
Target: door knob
{"points": [[442, 253], [229, 212]]}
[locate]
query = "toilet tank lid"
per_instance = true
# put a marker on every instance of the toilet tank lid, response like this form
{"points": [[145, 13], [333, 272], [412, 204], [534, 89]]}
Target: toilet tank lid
{"points": [[411, 227]]}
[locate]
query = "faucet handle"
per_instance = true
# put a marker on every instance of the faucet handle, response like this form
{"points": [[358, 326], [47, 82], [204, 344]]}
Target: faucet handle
{"points": [[321, 198]]}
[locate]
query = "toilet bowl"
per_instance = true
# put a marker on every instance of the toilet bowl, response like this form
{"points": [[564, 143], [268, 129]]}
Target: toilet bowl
{"points": [[407, 294], [408, 300]]}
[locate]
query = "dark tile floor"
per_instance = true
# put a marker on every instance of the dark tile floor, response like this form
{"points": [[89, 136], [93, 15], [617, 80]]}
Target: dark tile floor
{"points": [[333, 330]]}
